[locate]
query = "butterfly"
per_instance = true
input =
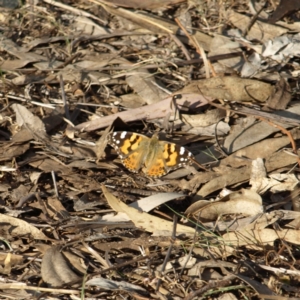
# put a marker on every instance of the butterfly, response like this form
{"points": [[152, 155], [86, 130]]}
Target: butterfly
{"points": [[156, 158]]}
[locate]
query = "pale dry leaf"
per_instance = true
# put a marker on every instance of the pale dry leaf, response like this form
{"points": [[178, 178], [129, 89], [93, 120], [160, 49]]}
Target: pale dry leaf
{"points": [[281, 271], [256, 235], [206, 274], [283, 182], [96, 255], [12, 48], [244, 202], [10, 65], [54, 269], [281, 96], [148, 203], [264, 149], [76, 262], [249, 130], [69, 131], [142, 219], [73, 10], [274, 161], [35, 176], [48, 165], [131, 100], [292, 216], [272, 47], [215, 251], [185, 261], [102, 143], [266, 219], [251, 66], [148, 112], [15, 259], [86, 165], [282, 47], [84, 25], [146, 21], [231, 225], [227, 296], [17, 227], [276, 182], [143, 83], [212, 263], [208, 118], [224, 45], [108, 284], [258, 174], [235, 89], [219, 129], [29, 121], [259, 31], [94, 62], [153, 24], [55, 208], [7, 264]]}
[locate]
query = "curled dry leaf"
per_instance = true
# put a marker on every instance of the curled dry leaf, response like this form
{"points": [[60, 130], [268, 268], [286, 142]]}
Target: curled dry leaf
{"points": [[7, 264], [236, 89], [274, 161], [17, 227], [55, 270], [259, 238], [29, 121], [259, 31], [142, 219], [250, 131], [258, 175], [148, 203], [281, 96], [102, 143], [275, 182], [220, 45], [244, 202], [149, 112], [256, 235], [115, 285], [264, 148], [14, 259], [186, 262], [147, 21]]}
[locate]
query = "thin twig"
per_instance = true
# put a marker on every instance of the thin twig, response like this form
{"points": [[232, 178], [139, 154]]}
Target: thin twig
{"points": [[199, 49], [173, 238], [215, 284]]}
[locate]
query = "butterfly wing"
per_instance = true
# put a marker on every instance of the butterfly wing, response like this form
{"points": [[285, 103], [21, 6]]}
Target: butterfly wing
{"points": [[131, 148], [169, 157]]}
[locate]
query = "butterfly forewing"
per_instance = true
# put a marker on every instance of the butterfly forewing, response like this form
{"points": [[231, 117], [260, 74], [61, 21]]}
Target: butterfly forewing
{"points": [[129, 147]]}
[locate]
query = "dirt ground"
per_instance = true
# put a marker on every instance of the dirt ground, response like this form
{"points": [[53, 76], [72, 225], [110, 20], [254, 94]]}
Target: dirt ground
{"points": [[149, 149]]}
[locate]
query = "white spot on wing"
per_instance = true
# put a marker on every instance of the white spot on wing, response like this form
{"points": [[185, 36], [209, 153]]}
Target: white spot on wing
{"points": [[182, 150], [123, 134]]}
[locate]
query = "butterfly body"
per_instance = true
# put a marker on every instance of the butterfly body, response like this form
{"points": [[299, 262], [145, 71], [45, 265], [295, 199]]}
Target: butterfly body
{"points": [[156, 158]]}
